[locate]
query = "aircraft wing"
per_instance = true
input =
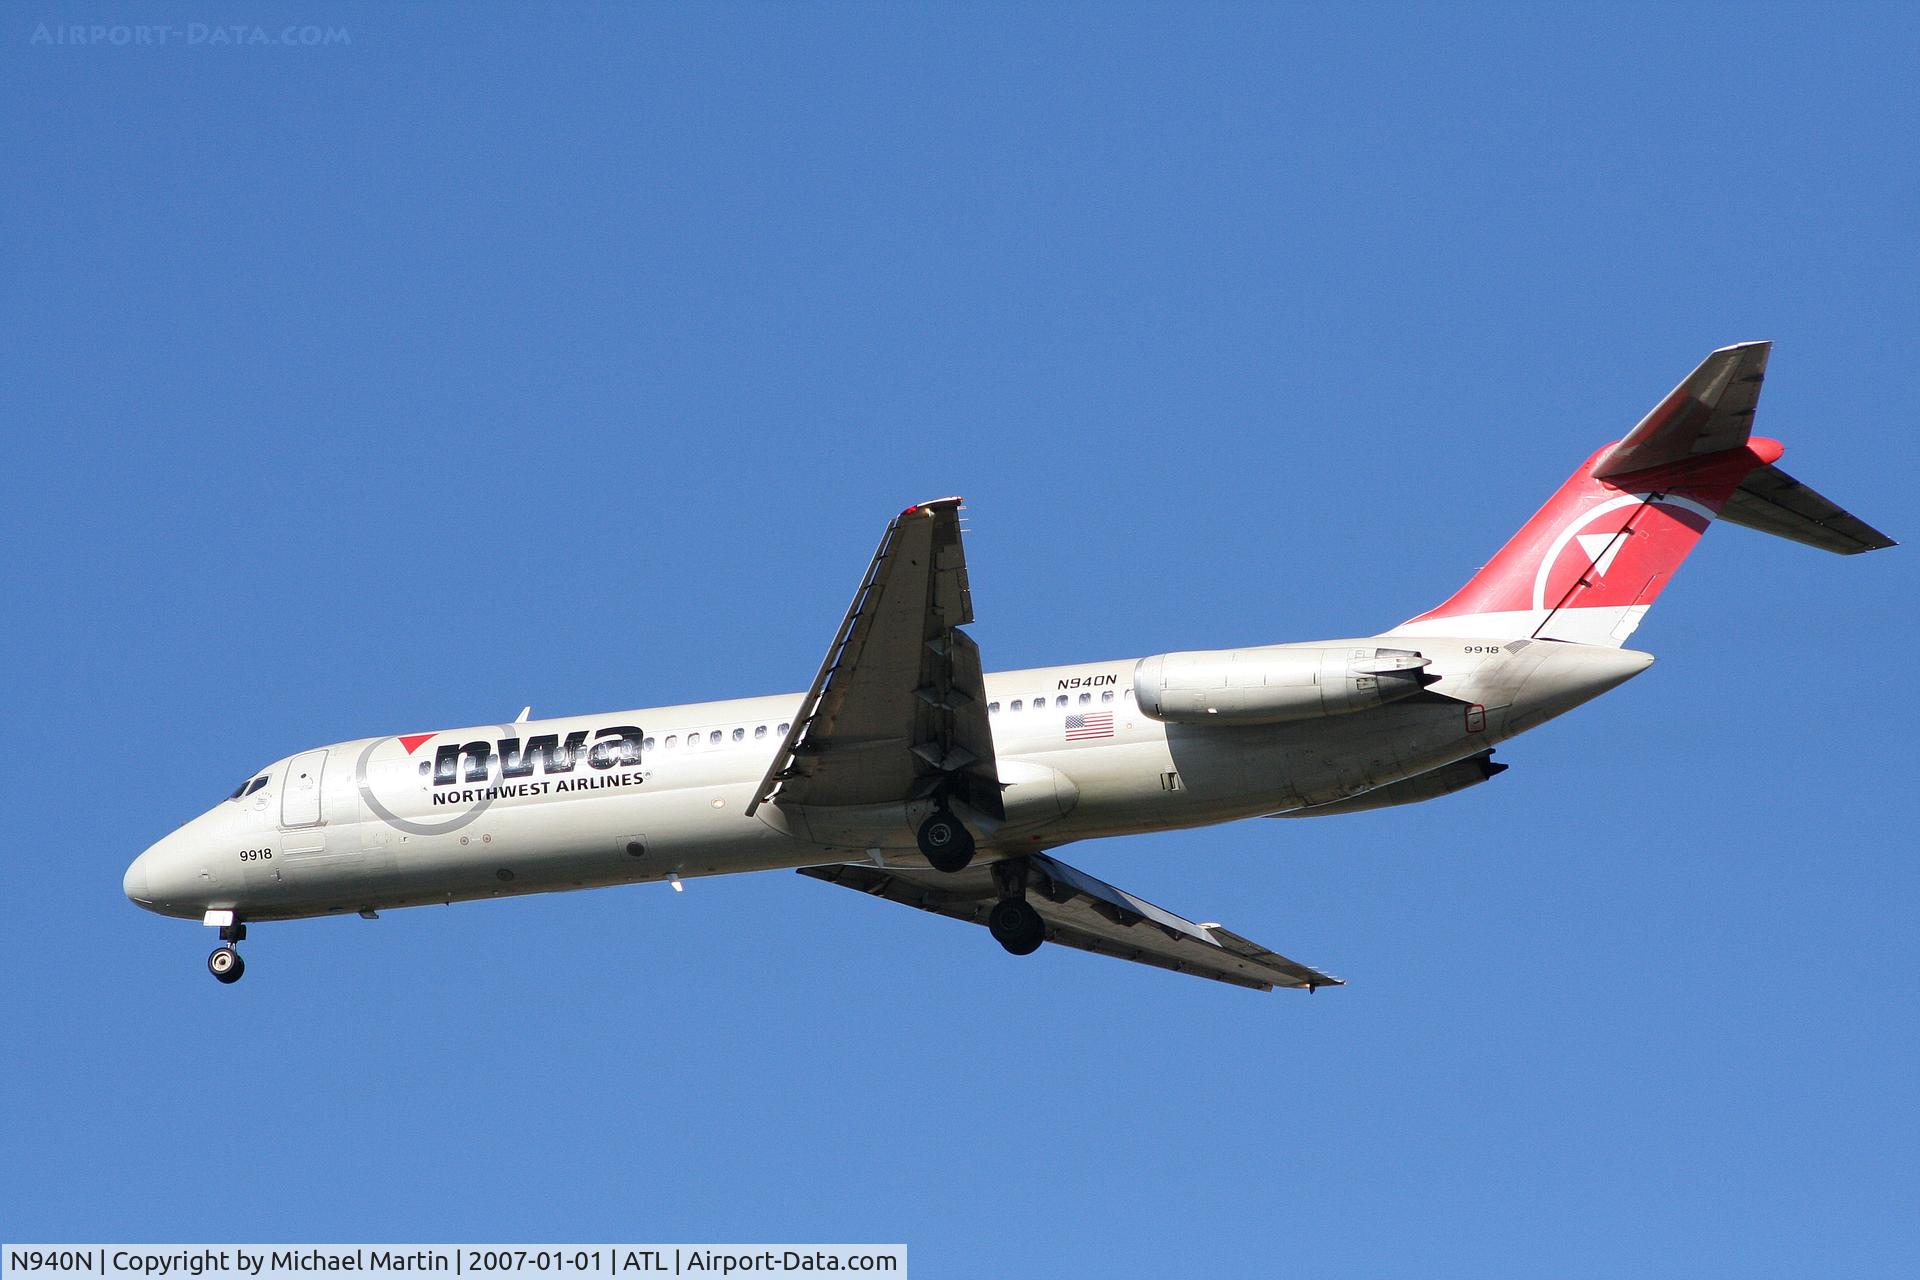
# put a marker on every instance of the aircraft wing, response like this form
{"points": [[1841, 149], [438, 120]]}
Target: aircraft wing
{"points": [[1085, 913], [898, 709]]}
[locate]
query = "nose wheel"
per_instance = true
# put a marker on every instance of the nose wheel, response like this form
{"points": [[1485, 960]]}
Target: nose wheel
{"points": [[225, 963]]}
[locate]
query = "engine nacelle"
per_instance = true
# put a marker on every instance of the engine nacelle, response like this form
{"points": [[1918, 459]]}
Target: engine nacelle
{"points": [[1443, 781], [1271, 686]]}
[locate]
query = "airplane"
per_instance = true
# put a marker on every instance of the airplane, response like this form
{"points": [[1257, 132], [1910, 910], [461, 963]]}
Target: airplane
{"points": [[907, 773]]}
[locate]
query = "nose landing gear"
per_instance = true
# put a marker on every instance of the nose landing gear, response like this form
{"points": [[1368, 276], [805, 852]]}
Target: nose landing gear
{"points": [[225, 963]]}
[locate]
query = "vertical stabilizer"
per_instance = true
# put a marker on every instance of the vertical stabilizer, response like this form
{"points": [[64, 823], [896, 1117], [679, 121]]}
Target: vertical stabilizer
{"points": [[1591, 562]]}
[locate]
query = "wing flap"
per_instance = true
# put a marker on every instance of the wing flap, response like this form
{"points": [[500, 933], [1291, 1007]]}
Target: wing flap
{"points": [[1085, 913]]}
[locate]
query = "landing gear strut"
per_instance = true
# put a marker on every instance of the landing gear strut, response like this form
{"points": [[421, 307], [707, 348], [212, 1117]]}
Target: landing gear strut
{"points": [[225, 963], [946, 842]]}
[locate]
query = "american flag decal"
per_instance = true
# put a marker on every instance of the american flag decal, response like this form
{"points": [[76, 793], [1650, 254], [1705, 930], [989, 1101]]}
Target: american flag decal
{"points": [[1094, 724]]}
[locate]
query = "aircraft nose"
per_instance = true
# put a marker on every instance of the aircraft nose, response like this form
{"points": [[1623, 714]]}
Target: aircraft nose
{"points": [[166, 878], [134, 883]]}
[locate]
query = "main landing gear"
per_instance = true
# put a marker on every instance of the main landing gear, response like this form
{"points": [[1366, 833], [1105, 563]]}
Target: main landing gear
{"points": [[1016, 926], [1013, 922], [945, 841], [225, 963]]}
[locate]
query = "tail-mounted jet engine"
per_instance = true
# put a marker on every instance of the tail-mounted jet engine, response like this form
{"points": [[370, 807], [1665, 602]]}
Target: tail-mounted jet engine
{"points": [[1270, 686]]}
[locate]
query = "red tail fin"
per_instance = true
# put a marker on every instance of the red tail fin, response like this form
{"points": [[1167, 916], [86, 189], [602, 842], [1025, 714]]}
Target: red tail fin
{"points": [[1590, 563]]}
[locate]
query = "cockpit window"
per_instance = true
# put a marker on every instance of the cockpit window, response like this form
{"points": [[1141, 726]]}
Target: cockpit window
{"points": [[248, 787]]}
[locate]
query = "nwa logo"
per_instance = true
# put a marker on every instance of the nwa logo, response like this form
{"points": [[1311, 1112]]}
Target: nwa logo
{"points": [[546, 755], [467, 777]]}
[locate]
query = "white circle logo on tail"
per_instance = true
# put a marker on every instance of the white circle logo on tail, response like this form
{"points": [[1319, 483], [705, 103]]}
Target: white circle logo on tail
{"points": [[1602, 546]]}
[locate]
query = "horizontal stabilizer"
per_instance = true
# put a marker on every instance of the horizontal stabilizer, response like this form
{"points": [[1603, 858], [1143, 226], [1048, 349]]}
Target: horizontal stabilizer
{"points": [[1085, 913], [1774, 502], [1711, 411]]}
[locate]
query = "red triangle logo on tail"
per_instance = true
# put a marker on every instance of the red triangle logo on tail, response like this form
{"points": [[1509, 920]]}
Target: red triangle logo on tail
{"points": [[412, 741]]}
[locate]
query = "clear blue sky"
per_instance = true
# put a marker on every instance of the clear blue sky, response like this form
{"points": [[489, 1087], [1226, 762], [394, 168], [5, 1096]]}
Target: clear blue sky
{"points": [[576, 356]]}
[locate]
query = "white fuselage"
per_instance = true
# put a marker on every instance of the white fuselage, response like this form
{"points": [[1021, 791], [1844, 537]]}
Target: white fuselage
{"points": [[663, 792]]}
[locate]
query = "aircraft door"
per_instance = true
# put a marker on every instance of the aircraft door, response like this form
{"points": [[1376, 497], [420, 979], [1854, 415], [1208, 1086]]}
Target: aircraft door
{"points": [[300, 792]]}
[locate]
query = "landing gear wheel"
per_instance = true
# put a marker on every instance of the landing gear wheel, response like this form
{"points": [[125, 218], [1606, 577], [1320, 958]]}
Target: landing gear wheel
{"points": [[946, 842], [1016, 926], [226, 965]]}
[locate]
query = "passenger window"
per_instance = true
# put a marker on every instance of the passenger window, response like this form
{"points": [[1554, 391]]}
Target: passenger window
{"points": [[673, 740], [1060, 701], [739, 735], [1085, 698], [993, 708], [760, 732], [784, 728], [714, 737], [1107, 696], [1019, 704], [646, 744], [693, 740]]}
